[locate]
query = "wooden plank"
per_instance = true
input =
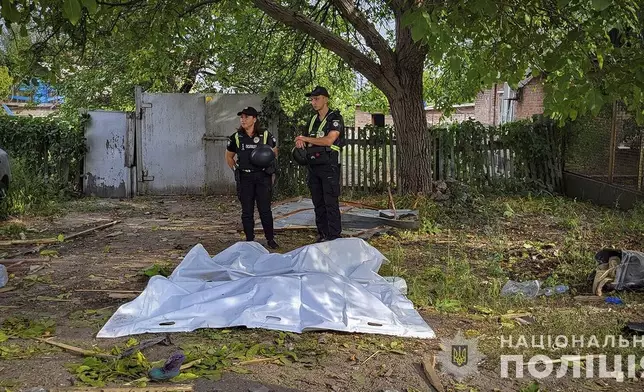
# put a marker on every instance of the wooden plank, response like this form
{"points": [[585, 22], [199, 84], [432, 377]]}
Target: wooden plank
{"points": [[613, 144], [504, 157], [439, 155], [359, 164], [392, 154], [487, 173], [370, 172], [453, 161], [398, 182], [640, 170], [385, 146], [376, 166], [365, 168]]}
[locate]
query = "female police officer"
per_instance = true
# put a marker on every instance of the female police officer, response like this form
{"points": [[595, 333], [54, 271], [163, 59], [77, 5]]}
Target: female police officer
{"points": [[253, 172]]}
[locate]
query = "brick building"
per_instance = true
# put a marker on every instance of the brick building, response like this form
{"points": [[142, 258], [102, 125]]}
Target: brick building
{"points": [[488, 108]]}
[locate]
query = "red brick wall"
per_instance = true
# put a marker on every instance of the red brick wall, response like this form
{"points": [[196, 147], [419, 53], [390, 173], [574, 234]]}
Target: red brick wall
{"points": [[433, 116], [530, 100], [487, 110], [363, 118]]}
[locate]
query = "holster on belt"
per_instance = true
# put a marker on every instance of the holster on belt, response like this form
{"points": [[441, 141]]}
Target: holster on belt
{"points": [[237, 182]]}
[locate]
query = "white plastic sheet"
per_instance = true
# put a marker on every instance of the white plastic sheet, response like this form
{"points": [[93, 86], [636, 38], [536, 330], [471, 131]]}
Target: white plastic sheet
{"points": [[327, 286]]}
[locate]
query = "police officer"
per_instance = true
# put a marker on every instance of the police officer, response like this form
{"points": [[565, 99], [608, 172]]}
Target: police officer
{"points": [[323, 142], [254, 183]]}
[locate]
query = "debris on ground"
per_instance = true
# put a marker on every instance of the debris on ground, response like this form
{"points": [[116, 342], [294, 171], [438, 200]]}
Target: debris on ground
{"points": [[430, 373], [531, 289], [618, 270], [165, 340], [614, 301], [357, 219], [170, 369]]}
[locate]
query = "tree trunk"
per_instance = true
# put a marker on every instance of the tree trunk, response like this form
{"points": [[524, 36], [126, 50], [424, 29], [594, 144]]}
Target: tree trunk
{"points": [[413, 141]]}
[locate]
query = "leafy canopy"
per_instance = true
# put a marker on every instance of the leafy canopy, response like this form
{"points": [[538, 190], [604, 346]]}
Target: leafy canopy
{"points": [[589, 52]]}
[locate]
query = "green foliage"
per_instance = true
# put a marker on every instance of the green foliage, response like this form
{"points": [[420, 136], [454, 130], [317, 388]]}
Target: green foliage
{"points": [[21, 327], [536, 146], [210, 48], [46, 155], [12, 230], [97, 372], [590, 53], [44, 144], [588, 144], [158, 269], [6, 82]]}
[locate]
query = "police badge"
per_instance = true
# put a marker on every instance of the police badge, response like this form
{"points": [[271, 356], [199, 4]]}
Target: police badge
{"points": [[256, 139], [320, 133]]}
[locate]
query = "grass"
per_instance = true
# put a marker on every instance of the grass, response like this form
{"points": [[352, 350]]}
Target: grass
{"points": [[457, 263], [464, 253]]}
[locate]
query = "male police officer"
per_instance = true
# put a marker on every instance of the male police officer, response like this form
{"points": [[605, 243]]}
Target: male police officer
{"points": [[323, 142], [254, 182]]}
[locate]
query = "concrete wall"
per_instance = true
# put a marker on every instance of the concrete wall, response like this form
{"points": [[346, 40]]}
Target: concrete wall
{"points": [[106, 171]]}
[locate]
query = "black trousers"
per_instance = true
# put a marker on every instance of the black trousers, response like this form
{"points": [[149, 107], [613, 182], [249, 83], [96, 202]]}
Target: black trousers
{"points": [[324, 183], [256, 188]]}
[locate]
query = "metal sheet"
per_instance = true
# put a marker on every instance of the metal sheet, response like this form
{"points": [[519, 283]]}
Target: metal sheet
{"points": [[300, 213], [173, 157], [106, 174], [221, 122]]}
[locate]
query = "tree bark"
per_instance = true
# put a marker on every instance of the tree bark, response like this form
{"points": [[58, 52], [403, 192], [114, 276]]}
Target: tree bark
{"points": [[413, 141], [398, 74]]}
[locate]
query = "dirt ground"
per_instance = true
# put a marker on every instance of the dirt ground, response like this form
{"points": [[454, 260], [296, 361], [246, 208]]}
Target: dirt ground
{"points": [[58, 284]]}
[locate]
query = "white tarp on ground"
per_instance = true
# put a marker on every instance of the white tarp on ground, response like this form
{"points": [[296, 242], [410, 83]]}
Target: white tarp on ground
{"points": [[332, 285]]}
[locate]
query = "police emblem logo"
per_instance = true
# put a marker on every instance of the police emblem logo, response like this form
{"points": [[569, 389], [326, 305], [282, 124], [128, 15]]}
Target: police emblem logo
{"points": [[459, 355], [336, 123], [320, 134], [256, 139], [228, 143]]}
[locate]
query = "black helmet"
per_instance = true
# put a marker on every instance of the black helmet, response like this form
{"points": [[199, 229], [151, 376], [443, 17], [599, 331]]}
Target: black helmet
{"points": [[299, 156], [262, 156]]}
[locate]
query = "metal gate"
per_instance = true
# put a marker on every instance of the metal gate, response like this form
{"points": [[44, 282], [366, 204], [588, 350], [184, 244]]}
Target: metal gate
{"points": [[181, 141], [109, 161]]}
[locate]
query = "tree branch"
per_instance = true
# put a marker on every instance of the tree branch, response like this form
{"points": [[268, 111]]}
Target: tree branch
{"points": [[359, 61], [197, 6], [371, 35]]}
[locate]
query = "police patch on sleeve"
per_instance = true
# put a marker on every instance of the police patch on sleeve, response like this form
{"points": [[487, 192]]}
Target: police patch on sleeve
{"points": [[336, 123], [228, 143], [274, 141]]}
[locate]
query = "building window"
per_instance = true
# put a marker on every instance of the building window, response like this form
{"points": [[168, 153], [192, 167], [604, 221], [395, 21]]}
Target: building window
{"points": [[378, 119]]}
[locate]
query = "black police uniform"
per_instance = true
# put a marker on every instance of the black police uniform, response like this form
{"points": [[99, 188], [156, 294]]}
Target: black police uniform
{"points": [[255, 183], [324, 175]]}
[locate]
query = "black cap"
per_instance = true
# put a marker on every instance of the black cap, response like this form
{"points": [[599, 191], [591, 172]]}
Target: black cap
{"points": [[318, 90], [249, 111]]}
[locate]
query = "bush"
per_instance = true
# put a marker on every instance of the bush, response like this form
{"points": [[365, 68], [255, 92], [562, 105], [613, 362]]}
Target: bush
{"points": [[46, 155]]}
